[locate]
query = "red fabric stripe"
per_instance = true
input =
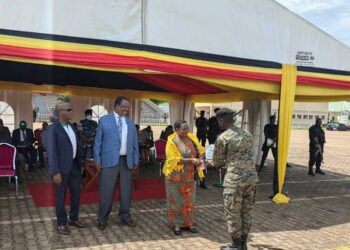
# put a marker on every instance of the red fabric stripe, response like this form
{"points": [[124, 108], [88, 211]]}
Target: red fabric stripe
{"points": [[178, 84], [117, 61], [323, 82]]}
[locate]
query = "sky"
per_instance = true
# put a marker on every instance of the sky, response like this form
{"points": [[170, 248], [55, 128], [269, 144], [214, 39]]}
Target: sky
{"points": [[332, 16]]}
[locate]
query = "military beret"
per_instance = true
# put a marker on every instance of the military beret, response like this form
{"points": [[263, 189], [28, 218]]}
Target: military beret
{"points": [[224, 112]]}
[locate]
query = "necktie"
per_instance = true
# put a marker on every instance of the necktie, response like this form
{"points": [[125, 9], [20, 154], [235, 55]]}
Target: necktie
{"points": [[120, 127]]}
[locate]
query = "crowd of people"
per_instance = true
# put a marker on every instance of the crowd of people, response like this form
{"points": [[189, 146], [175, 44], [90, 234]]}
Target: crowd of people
{"points": [[116, 144]]}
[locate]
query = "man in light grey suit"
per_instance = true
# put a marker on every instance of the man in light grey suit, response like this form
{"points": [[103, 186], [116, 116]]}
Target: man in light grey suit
{"points": [[116, 153]]}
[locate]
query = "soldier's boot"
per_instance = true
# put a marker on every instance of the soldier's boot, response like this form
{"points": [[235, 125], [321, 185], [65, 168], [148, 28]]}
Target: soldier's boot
{"points": [[319, 171], [235, 245], [244, 239], [311, 172]]}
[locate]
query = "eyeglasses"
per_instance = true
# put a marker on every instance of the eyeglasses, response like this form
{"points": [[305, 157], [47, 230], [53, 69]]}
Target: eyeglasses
{"points": [[67, 110]]}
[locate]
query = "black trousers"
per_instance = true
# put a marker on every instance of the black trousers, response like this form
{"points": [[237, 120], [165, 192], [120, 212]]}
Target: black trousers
{"points": [[29, 156], [315, 157], [73, 181], [266, 152], [275, 178], [202, 137]]}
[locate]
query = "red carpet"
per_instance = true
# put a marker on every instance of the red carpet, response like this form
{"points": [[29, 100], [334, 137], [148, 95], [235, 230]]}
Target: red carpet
{"points": [[43, 194]]}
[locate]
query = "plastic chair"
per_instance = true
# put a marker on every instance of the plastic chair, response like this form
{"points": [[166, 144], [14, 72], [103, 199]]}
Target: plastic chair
{"points": [[8, 162], [159, 150]]}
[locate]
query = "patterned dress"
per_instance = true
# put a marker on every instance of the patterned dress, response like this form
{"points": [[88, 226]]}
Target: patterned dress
{"points": [[180, 189]]}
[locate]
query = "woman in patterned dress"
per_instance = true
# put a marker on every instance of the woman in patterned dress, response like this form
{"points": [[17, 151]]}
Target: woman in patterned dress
{"points": [[184, 157]]}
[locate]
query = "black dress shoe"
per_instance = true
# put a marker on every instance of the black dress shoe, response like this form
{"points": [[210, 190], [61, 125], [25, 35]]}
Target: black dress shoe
{"points": [[101, 225], [76, 223], [128, 222], [177, 232], [320, 172], [63, 230], [203, 186], [192, 230], [311, 173]]}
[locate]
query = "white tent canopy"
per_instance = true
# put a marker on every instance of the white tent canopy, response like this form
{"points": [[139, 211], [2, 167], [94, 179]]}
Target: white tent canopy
{"points": [[260, 30]]}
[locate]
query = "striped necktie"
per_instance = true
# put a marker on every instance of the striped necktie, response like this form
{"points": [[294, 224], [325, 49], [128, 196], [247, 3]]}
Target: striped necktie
{"points": [[120, 127]]}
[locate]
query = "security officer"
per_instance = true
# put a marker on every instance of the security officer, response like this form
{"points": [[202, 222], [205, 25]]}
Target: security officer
{"points": [[270, 132], [234, 150], [213, 128], [201, 124], [317, 140], [88, 131]]}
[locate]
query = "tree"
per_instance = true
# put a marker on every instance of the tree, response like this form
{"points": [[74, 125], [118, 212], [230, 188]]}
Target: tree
{"points": [[63, 98]]}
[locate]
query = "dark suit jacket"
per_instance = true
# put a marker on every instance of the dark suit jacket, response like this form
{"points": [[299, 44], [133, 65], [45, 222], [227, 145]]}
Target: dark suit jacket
{"points": [[16, 136], [60, 150]]}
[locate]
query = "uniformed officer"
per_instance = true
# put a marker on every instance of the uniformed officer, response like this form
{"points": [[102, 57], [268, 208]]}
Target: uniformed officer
{"points": [[213, 128], [270, 132], [317, 140], [234, 150], [88, 131], [201, 124]]}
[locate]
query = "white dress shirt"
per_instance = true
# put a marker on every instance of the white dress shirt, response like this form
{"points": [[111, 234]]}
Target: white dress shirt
{"points": [[123, 141], [72, 138]]}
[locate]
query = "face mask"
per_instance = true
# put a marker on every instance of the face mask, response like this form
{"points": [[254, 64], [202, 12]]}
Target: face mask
{"points": [[89, 117]]}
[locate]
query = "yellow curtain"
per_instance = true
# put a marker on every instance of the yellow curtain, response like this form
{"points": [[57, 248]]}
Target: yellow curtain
{"points": [[287, 96]]}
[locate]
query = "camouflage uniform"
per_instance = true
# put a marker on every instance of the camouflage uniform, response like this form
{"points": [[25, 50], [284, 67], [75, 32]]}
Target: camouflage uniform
{"points": [[87, 136], [234, 150]]}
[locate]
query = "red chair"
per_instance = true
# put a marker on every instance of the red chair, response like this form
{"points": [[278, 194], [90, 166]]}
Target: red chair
{"points": [[8, 162], [159, 151]]}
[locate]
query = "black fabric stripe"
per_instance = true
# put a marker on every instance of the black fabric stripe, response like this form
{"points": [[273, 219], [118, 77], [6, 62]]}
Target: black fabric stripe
{"points": [[323, 70], [61, 76], [149, 48]]}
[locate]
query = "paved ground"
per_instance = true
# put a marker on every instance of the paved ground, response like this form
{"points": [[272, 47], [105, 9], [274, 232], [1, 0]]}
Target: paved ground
{"points": [[318, 216]]}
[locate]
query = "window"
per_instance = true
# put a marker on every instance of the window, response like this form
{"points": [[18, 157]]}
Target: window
{"points": [[311, 117], [317, 116], [323, 117], [7, 115], [97, 112], [305, 117], [293, 116], [299, 116]]}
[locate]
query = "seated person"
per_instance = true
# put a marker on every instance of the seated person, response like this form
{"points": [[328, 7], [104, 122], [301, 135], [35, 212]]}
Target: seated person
{"points": [[165, 134], [23, 139], [145, 143], [39, 141]]}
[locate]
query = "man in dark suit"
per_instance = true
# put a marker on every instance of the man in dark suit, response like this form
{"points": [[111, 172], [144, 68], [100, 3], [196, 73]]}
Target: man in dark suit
{"points": [[63, 152], [116, 152], [23, 139], [5, 130]]}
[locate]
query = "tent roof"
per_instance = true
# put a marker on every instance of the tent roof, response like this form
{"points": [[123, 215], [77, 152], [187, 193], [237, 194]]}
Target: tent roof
{"points": [[170, 54]]}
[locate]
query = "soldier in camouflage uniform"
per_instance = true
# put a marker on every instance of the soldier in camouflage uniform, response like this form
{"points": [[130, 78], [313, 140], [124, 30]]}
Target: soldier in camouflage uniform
{"points": [[87, 134], [234, 151]]}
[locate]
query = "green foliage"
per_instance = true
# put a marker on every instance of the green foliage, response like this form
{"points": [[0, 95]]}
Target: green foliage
{"points": [[63, 98], [159, 102]]}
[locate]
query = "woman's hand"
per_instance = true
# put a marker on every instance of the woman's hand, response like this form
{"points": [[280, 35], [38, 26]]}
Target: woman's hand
{"points": [[196, 161]]}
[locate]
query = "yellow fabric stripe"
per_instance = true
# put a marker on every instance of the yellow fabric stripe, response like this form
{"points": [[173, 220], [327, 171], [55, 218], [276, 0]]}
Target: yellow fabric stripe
{"points": [[231, 97], [324, 76], [287, 95], [89, 91], [258, 86], [317, 91], [56, 45]]}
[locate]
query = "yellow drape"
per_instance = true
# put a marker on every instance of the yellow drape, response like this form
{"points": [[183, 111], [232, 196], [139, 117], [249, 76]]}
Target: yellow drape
{"points": [[287, 96]]}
